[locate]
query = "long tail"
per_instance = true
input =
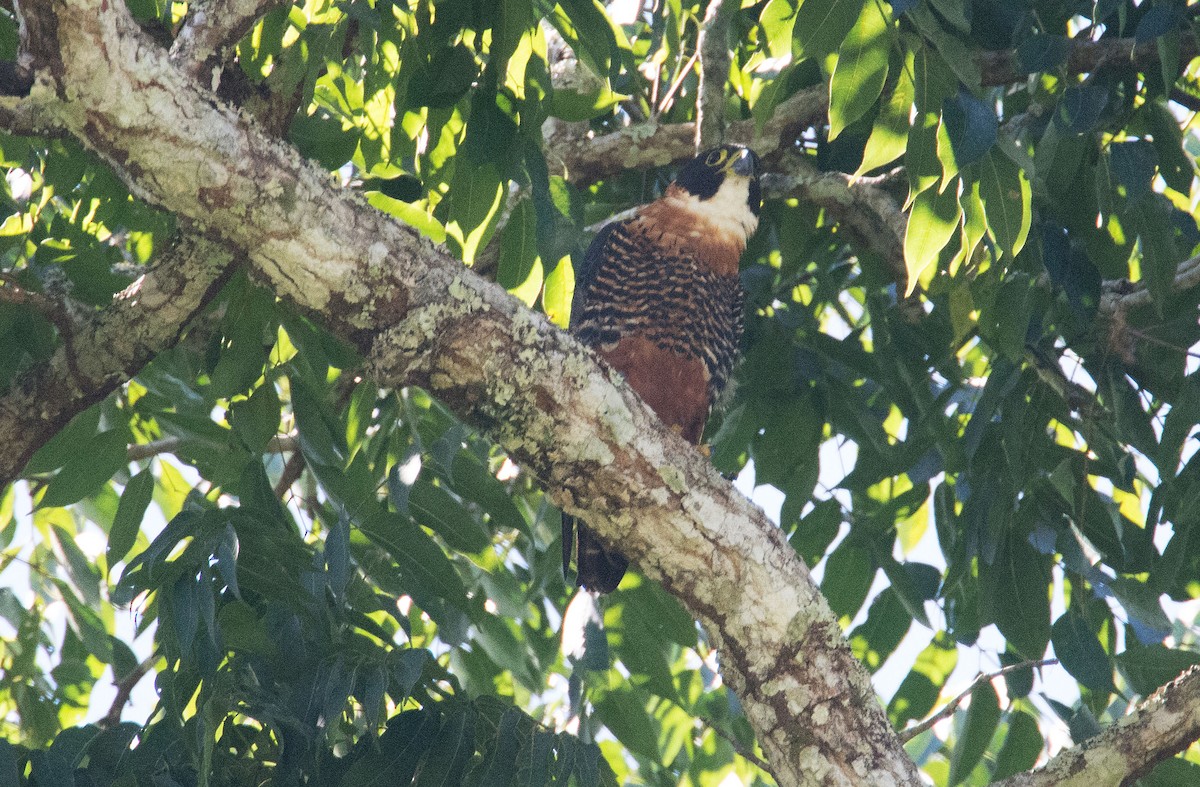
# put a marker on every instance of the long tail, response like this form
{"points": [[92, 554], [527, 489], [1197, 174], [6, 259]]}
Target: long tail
{"points": [[597, 569]]}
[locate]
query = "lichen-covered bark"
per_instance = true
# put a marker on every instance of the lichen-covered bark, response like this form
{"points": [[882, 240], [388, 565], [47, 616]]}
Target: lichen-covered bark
{"points": [[427, 320], [423, 319], [1166, 723], [104, 349]]}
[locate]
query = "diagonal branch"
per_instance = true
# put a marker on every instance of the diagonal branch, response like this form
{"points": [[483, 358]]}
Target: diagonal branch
{"points": [[109, 347], [1165, 724], [1003, 67], [425, 320], [212, 27]]}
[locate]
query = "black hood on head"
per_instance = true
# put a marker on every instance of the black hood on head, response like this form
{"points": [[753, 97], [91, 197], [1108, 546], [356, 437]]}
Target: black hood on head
{"points": [[703, 175]]}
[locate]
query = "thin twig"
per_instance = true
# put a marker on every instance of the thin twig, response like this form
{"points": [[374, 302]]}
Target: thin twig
{"points": [[949, 708], [741, 749], [290, 475], [669, 96], [167, 445], [125, 688]]}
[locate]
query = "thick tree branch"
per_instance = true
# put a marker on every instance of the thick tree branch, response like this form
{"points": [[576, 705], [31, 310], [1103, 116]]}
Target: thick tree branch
{"points": [[107, 348], [586, 158], [1083, 57], [212, 27], [1121, 295], [1165, 724], [426, 320], [866, 211]]}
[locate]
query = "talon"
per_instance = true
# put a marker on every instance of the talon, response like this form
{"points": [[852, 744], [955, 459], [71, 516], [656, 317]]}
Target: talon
{"points": [[705, 449]]}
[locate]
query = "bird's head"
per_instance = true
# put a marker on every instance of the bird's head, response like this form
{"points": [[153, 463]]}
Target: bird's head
{"points": [[721, 185]]}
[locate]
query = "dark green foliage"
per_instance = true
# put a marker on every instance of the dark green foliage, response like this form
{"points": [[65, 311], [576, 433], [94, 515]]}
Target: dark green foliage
{"points": [[348, 586]]}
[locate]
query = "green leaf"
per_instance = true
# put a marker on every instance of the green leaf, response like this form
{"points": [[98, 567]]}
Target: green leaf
{"points": [[322, 137], [447, 758], [889, 135], [557, 292], [576, 106], [918, 693], [791, 432], [1174, 772], [1006, 196], [135, 499], [475, 482], [1080, 653], [444, 78], [94, 463], [1133, 165], [849, 572], [433, 507], [63, 446], [1014, 592], [242, 630], [1041, 52], [412, 215], [401, 746], [933, 220], [1143, 608], [861, 69], [1022, 746], [983, 715], [971, 125], [1080, 108], [535, 756], [1156, 241], [957, 55], [933, 82], [778, 19], [886, 624], [256, 420], [1175, 165], [500, 767], [424, 569], [624, 712], [477, 193], [821, 26]]}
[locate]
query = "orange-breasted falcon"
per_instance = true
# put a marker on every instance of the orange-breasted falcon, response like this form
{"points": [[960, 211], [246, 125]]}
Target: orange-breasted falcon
{"points": [[658, 297]]}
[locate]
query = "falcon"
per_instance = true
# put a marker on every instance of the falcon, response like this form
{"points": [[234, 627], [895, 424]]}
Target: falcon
{"points": [[658, 298]]}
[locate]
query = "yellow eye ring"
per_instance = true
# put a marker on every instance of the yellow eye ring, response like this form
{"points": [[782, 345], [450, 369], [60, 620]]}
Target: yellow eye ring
{"points": [[717, 157]]}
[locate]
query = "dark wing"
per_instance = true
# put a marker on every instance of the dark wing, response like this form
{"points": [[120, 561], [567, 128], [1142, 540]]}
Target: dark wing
{"points": [[597, 569], [585, 274]]}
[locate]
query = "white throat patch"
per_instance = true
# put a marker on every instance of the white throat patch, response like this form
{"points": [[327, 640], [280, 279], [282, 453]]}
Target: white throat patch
{"points": [[728, 211]]}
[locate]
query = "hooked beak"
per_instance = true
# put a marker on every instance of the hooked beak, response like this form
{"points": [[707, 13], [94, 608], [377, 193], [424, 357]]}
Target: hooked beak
{"points": [[743, 164]]}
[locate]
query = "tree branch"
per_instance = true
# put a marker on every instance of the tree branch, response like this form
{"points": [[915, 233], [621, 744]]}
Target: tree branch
{"points": [[1083, 57], [1120, 294], [587, 158], [426, 320], [279, 444], [868, 212], [212, 27], [713, 46], [109, 347], [125, 688], [948, 709], [1165, 724]]}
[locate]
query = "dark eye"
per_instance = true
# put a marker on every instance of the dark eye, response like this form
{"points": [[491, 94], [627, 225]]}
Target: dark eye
{"points": [[717, 157]]}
